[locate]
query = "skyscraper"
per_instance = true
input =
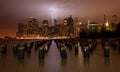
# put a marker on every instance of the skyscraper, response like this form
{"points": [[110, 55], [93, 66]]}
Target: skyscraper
{"points": [[32, 26], [114, 21], [45, 26], [22, 30], [45, 23], [76, 27], [70, 26], [65, 21]]}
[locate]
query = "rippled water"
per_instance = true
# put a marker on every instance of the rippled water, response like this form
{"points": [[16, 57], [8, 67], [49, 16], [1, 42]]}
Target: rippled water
{"points": [[53, 62]]}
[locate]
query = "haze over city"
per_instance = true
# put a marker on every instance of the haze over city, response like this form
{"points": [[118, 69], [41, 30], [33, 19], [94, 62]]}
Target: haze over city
{"points": [[14, 11]]}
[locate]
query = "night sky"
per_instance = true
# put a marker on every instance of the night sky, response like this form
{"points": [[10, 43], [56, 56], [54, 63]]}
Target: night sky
{"points": [[14, 11]]}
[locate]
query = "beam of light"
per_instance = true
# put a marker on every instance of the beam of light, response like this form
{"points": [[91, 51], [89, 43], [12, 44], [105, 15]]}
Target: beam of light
{"points": [[53, 11], [88, 23]]}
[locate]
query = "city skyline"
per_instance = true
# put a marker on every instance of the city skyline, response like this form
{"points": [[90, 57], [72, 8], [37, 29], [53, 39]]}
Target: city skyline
{"points": [[70, 28], [14, 11]]}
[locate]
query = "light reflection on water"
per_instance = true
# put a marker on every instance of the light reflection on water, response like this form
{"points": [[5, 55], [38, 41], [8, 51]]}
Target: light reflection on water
{"points": [[53, 62]]}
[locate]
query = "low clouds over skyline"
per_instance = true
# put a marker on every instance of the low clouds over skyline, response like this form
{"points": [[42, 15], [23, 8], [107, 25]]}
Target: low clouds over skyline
{"points": [[15, 11]]}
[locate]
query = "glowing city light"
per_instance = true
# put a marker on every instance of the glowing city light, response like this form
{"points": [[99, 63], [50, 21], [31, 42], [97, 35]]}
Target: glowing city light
{"points": [[107, 23], [31, 17], [80, 23]]}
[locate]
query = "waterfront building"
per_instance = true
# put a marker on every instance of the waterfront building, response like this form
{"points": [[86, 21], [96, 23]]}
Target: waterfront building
{"points": [[69, 24], [22, 30], [65, 21], [32, 27], [45, 26], [76, 27]]}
